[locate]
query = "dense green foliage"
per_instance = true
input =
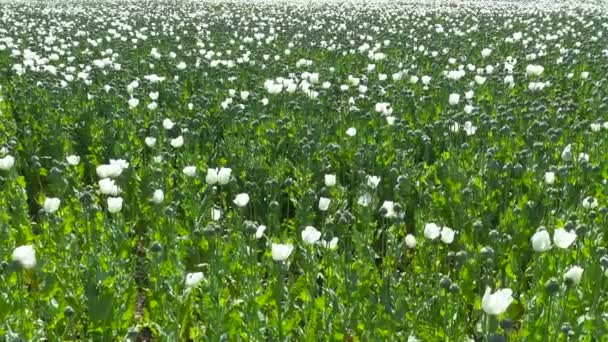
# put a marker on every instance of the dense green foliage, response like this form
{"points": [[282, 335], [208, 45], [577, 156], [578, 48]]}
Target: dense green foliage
{"points": [[484, 118]]}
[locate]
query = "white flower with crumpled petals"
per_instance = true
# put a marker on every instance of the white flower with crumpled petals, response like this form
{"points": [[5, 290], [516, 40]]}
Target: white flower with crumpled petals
{"points": [[194, 279], [241, 200], [280, 252], [498, 302], [541, 242], [310, 235], [25, 256], [563, 238]]}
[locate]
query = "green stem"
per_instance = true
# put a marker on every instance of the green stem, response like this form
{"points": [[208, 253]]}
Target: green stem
{"points": [[546, 335], [446, 317], [563, 300], [487, 324], [22, 303], [279, 299], [598, 294]]}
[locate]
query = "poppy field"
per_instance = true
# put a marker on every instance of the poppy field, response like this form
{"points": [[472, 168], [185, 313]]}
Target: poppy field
{"points": [[303, 171]]}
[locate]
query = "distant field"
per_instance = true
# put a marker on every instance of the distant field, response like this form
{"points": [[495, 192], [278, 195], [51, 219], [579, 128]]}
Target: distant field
{"points": [[299, 171]]}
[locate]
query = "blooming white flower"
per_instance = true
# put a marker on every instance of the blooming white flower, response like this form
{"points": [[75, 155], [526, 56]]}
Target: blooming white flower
{"points": [[455, 75], [468, 109], [260, 231], [324, 203], [595, 127], [373, 181], [131, 86], [389, 206], [108, 186], [241, 200], [212, 176], [280, 252], [351, 132], [410, 241], [364, 200], [574, 275], [534, 70], [158, 196], [51, 204], [223, 175], [310, 235], [73, 159], [194, 279], [541, 242], [133, 102], [177, 142], [25, 256], [150, 141], [447, 235], [469, 128], [454, 99], [517, 36], [590, 203], [332, 244], [549, 178], [563, 238], [431, 231], [536, 86], [480, 79], [496, 303], [7, 162], [189, 171], [120, 163], [114, 204], [109, 170], [383, 108], [168, 124], [330, 180]]}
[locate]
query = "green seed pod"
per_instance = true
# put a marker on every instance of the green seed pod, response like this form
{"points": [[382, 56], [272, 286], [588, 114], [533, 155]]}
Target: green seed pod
{"points": [[445, 283], [68, 312], [552, 286], [507, 324], [156, 247]]}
